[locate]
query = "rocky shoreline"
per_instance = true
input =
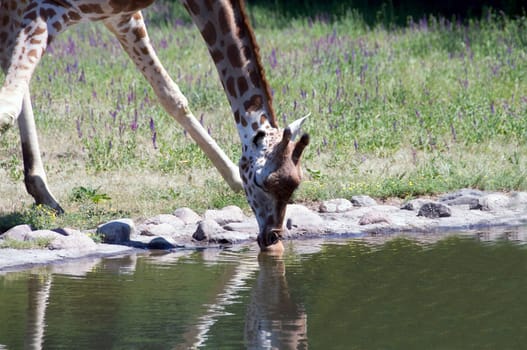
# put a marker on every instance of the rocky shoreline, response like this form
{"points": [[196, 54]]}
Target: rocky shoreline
{"points": [[360, 216]]}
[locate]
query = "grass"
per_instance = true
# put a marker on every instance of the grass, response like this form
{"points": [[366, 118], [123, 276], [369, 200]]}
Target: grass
{"points": [[39, 243], [427, 108]]}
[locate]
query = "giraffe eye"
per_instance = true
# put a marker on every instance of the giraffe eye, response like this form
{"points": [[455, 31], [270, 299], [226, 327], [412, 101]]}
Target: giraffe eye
{"points": [[257, 139]]}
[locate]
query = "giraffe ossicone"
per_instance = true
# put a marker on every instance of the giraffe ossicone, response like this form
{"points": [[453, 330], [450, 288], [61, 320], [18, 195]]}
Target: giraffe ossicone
{"points": [[269, 169]]}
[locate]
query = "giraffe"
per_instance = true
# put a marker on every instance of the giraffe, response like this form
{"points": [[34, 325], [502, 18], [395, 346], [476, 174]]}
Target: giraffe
{"points": [[269, 167]]}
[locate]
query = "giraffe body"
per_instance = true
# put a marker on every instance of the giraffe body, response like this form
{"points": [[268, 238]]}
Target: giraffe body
{"points": [[269, 166]]}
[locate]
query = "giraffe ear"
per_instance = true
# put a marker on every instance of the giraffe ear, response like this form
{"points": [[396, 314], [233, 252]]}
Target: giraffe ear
{"points": [[299, 148], [295, 126]]}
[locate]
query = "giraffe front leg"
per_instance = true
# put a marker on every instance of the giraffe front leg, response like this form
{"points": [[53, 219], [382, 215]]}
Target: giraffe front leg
{"points": [[40, 23], [34, 174], [131, 33]]}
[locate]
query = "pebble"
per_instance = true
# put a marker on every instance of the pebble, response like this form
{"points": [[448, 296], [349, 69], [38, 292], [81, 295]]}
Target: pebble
{"points": [[226, 215], [338, 205], [187, 215], [363, 201], [374, 217], [116, 231], [433, 210]]}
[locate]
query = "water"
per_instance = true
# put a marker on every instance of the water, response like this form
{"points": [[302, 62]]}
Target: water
{"points": [[458, 292]]}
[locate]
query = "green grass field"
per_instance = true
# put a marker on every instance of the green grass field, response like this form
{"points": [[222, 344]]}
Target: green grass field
{"points": [[427, 108]]}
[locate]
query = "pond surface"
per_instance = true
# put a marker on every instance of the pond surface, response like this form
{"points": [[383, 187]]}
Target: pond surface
{"points": [[458, 292]]}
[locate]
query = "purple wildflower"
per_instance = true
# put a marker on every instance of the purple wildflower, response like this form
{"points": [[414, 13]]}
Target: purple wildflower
{"points": [[133, 125], [154, 139], [82, 78], [79, 130], [272, 59], [152, 126]]}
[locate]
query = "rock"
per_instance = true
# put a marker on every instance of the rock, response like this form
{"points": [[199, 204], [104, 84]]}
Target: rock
{"points": [[462, 197], [187, 215], [166, 219], [374, 217], [43, 234], [73, 240], [433, 210], [518, 200], [300, 217], [206, 228], [363, 201], [463, 193], [230, 237], [464, 200], [246, 226], [163, 229], [337, 205], [17, 233], [116, 231], [490, 202], [161, 243], [414, 204], [226, 215]]}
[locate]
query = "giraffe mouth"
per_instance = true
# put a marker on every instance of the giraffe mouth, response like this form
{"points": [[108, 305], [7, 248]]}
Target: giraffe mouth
{"points": [[270, 238]]}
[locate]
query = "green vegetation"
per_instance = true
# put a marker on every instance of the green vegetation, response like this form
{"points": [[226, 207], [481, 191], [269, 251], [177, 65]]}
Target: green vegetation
{"points": [[38, 243], [430, 107]]}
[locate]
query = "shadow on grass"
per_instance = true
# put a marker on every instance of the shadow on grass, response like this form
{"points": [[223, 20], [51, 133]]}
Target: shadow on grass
{"points": [[10, 220]]}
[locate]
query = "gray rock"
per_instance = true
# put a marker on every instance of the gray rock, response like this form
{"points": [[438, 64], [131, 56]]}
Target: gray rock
{"points": [[43, 234], [226, 215], [17, 233], [462, 197], [73, 240], [337, 205], [491, 202], [246, 226], [465, 192], [163, 229], [187, 215], [434, 210], [166, 219], [116, 231], [363, 201], [299, 217], [144, 229], [374, 217], [230, 237], [206, 228], [162, 243], [518, 200], [414, 204], [463, 200]]}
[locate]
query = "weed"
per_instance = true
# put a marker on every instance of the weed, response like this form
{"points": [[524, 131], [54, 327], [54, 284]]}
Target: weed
{"points": [[38, 243], [85, 194]]}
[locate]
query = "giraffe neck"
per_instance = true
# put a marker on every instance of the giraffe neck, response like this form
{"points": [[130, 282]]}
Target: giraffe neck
{"points": [[232, 46]]}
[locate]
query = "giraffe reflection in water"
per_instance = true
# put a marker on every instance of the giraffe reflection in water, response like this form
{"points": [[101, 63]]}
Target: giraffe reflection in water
{"points": [[274, 320]]}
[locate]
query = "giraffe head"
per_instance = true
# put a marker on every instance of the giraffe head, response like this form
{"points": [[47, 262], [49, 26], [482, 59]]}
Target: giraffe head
{"points": [[270, 171]]}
